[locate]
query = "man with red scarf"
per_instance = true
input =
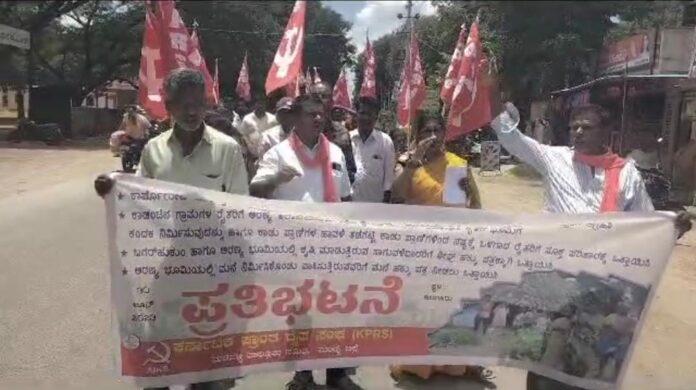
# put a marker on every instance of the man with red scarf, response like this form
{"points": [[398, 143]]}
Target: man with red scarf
{"points": [[306, 167], [585, 178]]}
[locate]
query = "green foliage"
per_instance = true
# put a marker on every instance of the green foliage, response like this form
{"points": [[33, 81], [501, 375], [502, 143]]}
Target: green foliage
{"points": [[454, 337], [536, 47], [527, 344], [267, 21], [85, 44]]}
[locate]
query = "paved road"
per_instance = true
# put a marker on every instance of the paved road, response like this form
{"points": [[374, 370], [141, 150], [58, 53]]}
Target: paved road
{"points": [[54, 308]]}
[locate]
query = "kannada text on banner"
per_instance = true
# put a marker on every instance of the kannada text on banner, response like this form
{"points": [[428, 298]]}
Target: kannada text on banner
{"points": [[207, 285]]}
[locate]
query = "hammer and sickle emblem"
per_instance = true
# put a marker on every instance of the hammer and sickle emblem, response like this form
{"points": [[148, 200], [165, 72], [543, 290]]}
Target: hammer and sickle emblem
{"points": [[158, 355], [287, 53]]}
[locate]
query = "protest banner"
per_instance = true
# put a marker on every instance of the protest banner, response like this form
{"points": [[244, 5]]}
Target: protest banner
{"points": [[207, 285]]}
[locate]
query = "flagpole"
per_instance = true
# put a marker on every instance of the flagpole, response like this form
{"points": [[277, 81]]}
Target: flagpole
{"points": [[623, 105], [409, 64]]}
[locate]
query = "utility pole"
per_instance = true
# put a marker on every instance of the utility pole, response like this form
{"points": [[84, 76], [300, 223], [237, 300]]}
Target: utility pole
{"points": [[409, 61]]}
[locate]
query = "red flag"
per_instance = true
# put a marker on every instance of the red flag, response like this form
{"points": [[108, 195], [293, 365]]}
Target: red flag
{"points": [[293, 89], [471, 99], [317, 79], [369, 84], [179, 49], [453, 70], [340, 97], [412, 90], [216, 83], [152, 70], [243, 86], [288, 59], [197, 61]]}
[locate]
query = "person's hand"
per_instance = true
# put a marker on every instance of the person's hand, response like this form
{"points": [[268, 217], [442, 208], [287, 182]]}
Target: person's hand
{"points": [[464, 184], [103, 185], [512, 111], [422, 148], [683, 222], [286, 174]]}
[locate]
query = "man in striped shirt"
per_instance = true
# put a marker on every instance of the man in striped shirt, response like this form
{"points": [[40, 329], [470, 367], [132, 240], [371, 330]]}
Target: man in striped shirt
{"points": [[585, 178]]}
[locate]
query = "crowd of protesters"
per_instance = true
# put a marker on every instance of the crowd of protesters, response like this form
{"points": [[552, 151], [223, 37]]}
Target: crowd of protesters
{"points": [[307, 150]]}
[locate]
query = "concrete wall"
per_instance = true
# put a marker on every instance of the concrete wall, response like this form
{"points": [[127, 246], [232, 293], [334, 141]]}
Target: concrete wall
{"points": [[675, 51], [90, 121]]}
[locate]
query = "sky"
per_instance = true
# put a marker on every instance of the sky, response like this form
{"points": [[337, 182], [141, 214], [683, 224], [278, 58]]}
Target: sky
{"points": [[377, 17]]}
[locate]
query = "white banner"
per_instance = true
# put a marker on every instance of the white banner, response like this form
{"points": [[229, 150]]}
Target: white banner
{"points": [[14, 37], [207, 285]]}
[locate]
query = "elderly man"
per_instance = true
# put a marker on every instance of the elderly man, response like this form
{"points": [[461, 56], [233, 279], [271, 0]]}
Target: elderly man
{"points": [[306, 167], [585, 178], [191, 153]]}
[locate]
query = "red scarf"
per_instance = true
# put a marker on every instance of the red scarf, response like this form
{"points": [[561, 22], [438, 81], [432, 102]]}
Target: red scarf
{"points": [[612, 164], [322, 159]]}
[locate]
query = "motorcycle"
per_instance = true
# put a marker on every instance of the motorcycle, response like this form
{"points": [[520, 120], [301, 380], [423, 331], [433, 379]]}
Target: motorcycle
{"points": [[659, 186], [130, 152]]}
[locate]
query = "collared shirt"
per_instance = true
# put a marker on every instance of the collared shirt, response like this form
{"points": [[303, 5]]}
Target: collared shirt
{"points": [[272, 137], [374, 161], [309, 186], [252, 128], [216, 162], [570, 186]]}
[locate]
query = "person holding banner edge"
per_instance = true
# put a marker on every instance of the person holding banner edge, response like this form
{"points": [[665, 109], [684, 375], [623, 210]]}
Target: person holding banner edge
{"points": [[585, 178], [191, 153]]}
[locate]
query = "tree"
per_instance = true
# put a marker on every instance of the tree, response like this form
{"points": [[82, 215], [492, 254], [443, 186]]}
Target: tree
{"points": [[536, 47], [80, 44], [258, 27]]}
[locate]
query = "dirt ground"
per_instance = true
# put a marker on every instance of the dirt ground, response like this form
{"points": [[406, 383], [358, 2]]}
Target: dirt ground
{"points": [[665, 357]]}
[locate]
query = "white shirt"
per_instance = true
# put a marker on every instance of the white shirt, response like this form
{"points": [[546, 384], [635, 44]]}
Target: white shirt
{"points": [[374, 161], [216, 163], [236, 120], [252, 129], [570, 186], [271, 138], [309, 186]]}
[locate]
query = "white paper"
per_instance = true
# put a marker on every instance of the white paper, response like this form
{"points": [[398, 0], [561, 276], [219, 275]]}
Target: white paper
{"points": [[453, 193]]}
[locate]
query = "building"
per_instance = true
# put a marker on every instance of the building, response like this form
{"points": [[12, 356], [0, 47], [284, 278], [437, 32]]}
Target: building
{"points": [[14, 102], [643, 80], [115, 95]]}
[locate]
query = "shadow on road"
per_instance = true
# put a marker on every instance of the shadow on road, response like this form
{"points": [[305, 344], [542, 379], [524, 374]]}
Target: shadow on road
{"points": [[95, 143], [439, 381]]}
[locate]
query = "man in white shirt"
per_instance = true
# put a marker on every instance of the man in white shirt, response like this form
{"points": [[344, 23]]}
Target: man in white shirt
{"points": [[374, 155], [306, 167], [587, 178], [254, 124], [190, 153], [290, 171], [279, 133], [576, 179]]}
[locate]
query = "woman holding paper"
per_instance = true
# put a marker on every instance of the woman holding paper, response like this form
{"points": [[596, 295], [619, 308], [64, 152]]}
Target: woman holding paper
{"points": [[432, 176]]}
